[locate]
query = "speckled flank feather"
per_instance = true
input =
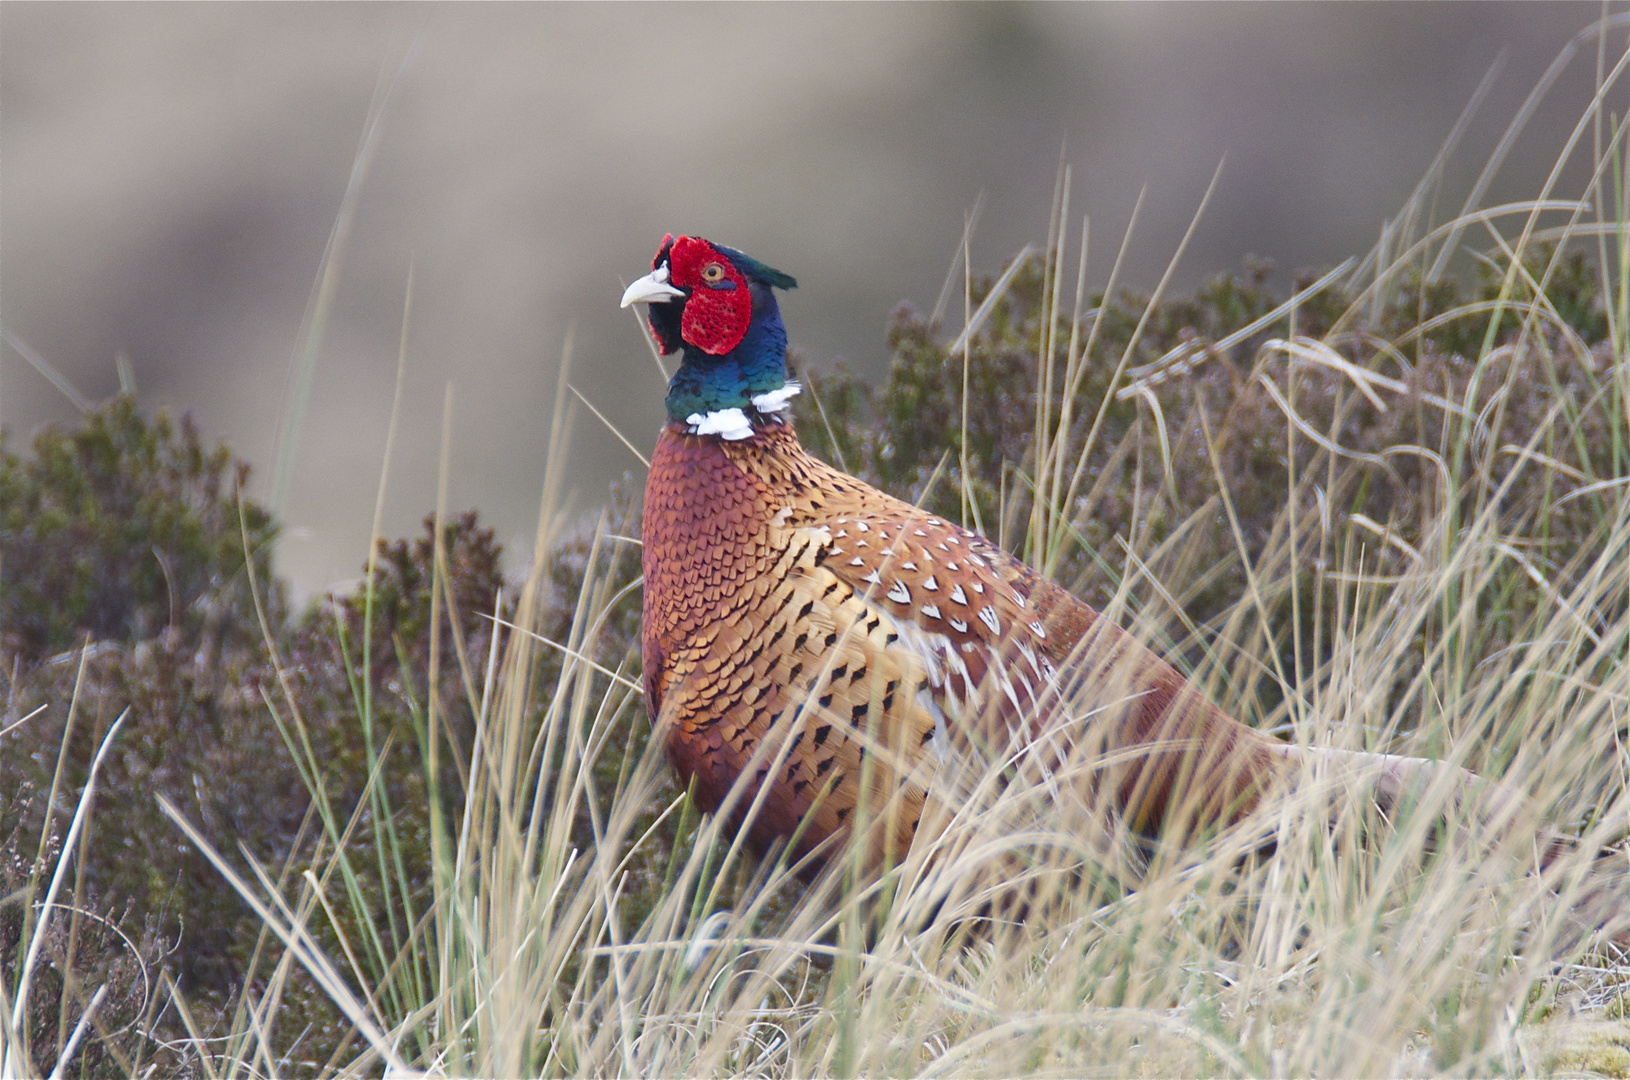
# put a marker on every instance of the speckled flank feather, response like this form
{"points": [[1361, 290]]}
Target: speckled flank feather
{"points": [[831, 664], [800, 624]]}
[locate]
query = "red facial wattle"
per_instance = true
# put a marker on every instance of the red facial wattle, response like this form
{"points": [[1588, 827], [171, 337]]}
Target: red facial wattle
{"points": [[720, 306]]}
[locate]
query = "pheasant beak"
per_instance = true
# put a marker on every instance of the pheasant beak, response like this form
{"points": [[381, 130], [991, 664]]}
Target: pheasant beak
{"points": [[653, 288]]}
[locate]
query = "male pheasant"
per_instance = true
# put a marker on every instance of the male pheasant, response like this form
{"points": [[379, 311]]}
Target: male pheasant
{"points": [[844, 651]]}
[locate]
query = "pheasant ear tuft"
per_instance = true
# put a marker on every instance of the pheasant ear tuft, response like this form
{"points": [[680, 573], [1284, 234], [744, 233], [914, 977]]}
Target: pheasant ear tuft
{"points": [[662, 252], [755, 269]]}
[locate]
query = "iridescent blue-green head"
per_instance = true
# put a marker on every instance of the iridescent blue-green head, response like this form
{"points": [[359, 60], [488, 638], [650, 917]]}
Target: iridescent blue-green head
{"points": [[716, 307]]}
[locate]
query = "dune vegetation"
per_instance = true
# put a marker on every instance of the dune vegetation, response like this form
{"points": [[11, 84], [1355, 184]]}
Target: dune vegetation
{"points": [[423, 829]]}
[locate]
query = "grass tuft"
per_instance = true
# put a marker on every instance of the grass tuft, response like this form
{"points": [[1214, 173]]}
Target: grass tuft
{"points": [[1387, 512]]}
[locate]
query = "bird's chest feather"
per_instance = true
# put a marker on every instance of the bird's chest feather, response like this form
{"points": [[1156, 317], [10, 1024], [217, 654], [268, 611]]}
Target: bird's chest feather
{"points": [[706, 537]]}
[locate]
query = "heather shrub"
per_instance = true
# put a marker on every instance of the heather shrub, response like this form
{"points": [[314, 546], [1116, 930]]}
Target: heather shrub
{"points": [[125, 528], [1148, 476], [438, 745], [124, 588], [124, 536], [124, 585], [90, 947]]}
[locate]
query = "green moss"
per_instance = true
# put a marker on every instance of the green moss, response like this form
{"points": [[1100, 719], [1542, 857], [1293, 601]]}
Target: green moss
{"points": [[1596, 1047]]}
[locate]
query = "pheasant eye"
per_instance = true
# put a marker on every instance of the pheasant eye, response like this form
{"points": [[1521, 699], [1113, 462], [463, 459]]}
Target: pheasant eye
{"points": [[712, 272]]}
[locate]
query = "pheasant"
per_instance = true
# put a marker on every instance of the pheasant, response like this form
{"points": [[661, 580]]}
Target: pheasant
{"points": [[837, 651]]}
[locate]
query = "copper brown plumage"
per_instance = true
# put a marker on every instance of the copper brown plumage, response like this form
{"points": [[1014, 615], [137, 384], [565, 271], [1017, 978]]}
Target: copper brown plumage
{"points": [[774, 582], [841, 654]]}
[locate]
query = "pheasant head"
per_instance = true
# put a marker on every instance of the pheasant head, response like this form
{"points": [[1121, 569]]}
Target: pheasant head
{"points": [[716, 307]]}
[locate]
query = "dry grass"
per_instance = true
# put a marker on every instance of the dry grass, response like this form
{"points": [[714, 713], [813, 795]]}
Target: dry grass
{"points": [[1031, 938]]}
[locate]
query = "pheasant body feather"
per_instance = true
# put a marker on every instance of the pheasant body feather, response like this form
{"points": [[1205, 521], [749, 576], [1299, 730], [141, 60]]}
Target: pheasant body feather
{"points": [[848, 654], [786, 599], [748, 635], [825, 662]]}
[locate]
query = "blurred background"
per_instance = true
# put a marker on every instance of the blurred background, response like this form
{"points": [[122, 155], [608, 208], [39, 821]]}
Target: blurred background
{"points": [[171, 176]]}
